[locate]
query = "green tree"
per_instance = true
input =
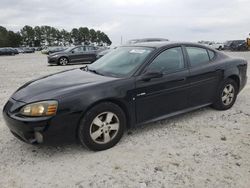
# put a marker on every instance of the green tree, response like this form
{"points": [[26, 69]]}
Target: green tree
{"points": [[106, 39], [14, 39], [66, 37], [84, 34], [92, 35], [47, 35], [9, 38], [75, 34], [38, 36], [3, 36], [28, 35]]}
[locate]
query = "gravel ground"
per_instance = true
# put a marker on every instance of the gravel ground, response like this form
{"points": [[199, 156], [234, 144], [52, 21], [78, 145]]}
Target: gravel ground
{"points": [[204, 148]]}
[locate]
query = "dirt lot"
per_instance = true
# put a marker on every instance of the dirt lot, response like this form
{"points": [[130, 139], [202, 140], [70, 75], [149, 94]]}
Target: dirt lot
{"points": [[205, 148]]}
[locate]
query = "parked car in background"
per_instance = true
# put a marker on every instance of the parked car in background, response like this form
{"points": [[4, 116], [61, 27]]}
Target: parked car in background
{"points": [[216, 45], [8, 51], [74, 54], [20, 50], [236, 45], [50, 50], [130, 86], [13, 50], [102, 53], [38, 48], [28, 50], [134, 41], [227, 45]]}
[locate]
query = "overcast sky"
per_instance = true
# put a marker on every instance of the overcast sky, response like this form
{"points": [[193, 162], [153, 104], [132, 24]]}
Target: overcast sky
{"points": [[178, 20]]}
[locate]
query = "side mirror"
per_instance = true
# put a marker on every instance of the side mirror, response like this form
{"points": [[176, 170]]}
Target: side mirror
{"points": [[150, 75]]}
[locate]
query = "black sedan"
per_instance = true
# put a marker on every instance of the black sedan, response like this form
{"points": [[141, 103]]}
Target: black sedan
{"points": [[74, 55], [8, 51], [28, 50], [130, 86]]}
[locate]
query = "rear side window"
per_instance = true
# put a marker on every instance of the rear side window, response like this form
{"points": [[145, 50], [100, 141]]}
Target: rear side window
{"points": [[170, 60], [197, 56]]}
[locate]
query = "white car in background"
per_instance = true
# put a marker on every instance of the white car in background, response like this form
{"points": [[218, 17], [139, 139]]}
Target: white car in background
{"points": [[217, 45]]}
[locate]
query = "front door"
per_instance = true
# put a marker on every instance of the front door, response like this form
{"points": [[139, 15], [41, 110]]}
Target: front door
{"points": [[158, 97]]}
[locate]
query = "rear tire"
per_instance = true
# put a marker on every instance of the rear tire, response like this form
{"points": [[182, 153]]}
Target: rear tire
{"points": [[226, 95], [102, 126]]}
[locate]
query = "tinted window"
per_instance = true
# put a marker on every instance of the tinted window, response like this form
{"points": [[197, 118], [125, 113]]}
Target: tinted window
{"points": [[197, 56], [168, 61], [211, 54]]}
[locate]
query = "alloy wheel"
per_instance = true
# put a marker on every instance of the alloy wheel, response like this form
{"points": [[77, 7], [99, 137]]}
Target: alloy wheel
{"points": [[228, 94], [63, 61], [104, 127]]}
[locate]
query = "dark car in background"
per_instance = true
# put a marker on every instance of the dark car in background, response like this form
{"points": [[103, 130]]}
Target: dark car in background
{"points": [[74, 54], [20, 50], [15, 51], [236, 45], [28, 50], [128, 87], [38, 48], [102, 53], [8, 51]]}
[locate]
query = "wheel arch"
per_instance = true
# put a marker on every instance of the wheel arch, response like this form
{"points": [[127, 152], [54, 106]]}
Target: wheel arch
{"points": [[236, 78], [111, 100], [233, 73]]}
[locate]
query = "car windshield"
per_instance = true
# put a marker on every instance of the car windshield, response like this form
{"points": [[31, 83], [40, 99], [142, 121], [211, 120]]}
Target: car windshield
{"points": [[121, 62]]}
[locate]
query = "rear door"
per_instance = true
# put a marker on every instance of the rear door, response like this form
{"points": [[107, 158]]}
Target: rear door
{"points": [[90, 53], [204, 77], [160, 96]]}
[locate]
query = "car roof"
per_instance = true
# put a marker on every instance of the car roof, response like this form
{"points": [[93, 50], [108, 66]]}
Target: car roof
{"points": [[164, 44]]}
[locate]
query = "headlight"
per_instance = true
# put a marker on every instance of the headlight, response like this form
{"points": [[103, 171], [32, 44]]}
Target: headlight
{"points": [[44, 108], [54, 56]]}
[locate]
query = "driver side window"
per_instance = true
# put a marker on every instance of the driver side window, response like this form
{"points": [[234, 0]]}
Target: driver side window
{"points": [[168, 61], [78, 50]]}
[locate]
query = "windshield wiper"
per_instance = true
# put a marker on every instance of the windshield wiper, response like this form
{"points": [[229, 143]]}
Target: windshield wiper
{"points": [[94, 71], [85, 68]]}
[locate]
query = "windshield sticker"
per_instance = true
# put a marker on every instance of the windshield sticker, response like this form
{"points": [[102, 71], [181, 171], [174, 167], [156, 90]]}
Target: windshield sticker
{"points": [[137, 51]]}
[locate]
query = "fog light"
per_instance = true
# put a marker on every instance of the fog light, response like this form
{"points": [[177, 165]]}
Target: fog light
{"points": [[38, 137]]}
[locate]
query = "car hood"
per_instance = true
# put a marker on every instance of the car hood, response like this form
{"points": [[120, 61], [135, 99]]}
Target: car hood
{"points": [[57, 53], [56, 85]]}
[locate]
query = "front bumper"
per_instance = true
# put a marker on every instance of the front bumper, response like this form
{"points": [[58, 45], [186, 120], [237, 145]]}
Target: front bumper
{"points": [[46, 130], [52, 60], [26, 129]]}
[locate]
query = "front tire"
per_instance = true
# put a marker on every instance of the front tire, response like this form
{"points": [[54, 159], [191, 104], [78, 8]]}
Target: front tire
{"points": [[63, 61], [226, 95], [102, 126]]}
